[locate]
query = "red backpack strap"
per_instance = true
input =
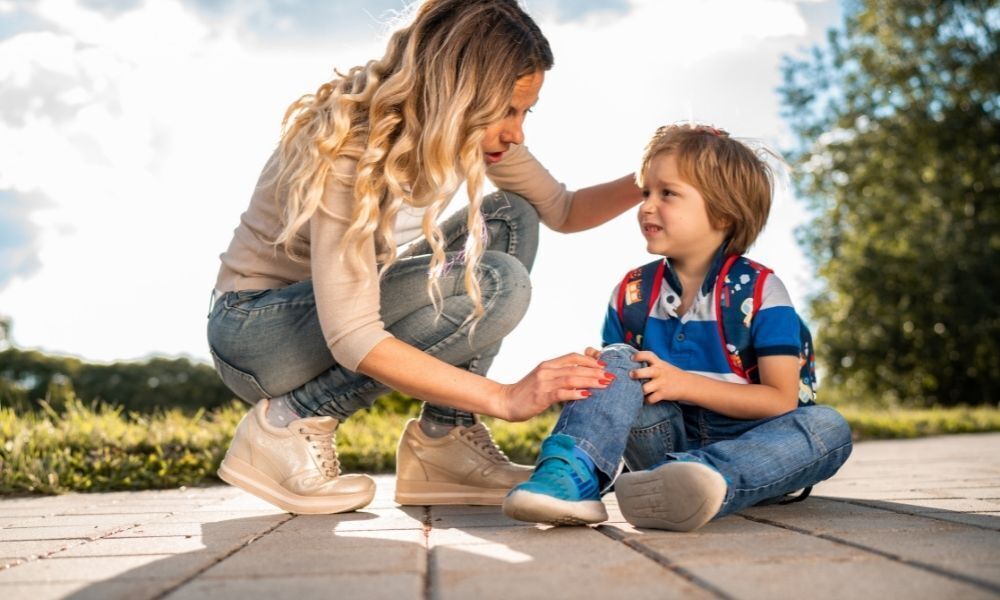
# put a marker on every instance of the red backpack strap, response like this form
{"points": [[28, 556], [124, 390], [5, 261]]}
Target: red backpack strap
{"points": [[637, 295], [733, 323]]}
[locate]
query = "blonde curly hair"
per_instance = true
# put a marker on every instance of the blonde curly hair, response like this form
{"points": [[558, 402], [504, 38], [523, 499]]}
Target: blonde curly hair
{"points": [[413, 121]]}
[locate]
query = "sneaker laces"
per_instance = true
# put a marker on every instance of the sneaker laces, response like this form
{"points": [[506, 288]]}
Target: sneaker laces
{"points": [[480, 437], [325, 444]]}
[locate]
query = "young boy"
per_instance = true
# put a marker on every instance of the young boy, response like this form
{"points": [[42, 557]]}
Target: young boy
{"points": [[701, 437]]}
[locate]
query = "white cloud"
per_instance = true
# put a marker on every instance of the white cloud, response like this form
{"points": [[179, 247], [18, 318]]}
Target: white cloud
{"points": [[147, 129]]}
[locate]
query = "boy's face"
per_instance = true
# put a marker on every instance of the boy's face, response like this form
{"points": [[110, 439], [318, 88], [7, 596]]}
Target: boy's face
{"points": [[672, 217]]}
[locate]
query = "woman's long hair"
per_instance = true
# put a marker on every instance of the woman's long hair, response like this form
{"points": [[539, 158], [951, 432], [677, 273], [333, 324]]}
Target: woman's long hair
{"points": [[413, 121]]}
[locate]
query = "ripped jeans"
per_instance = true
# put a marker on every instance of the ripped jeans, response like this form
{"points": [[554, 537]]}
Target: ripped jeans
{"points": [[267, 343]]}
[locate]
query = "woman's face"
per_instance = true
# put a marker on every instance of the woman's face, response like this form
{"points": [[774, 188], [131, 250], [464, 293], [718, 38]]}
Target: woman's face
{"points": [[509, 130]]}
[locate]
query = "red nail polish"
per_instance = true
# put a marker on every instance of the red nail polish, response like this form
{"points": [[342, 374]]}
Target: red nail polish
{"points": [[610, 376], [584, 393], [604, 381], [602, 363]]}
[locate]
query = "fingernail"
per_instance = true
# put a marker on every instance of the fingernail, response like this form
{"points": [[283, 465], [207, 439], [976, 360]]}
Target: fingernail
{"points": [[584, 393], [610, 376], [604, 381], [602, 363]]}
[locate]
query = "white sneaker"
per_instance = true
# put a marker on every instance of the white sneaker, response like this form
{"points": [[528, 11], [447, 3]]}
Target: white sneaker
{"points": [[295, 468], [679, 496]]}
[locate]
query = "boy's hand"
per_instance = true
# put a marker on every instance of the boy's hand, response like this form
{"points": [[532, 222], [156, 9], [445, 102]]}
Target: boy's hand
{"points": [[665, 381]]}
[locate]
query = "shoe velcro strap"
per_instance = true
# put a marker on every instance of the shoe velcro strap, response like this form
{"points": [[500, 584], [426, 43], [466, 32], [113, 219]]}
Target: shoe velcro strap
{"points": [[563, 455]]}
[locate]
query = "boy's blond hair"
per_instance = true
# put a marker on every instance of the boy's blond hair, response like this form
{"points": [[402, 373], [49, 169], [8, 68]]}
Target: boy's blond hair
{"points": [[735, 183]]}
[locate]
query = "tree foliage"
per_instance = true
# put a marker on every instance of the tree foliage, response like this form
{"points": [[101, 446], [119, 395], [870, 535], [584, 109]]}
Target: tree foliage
{"points": [[28, 376], [898, 126]]}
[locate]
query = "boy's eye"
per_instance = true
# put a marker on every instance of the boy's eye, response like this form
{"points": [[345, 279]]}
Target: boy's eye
{"points": [[666, 193], [645, 193]]}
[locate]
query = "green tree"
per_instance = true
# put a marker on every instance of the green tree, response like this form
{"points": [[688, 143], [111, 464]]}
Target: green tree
{"points": [[898, 127], [27, 376]]}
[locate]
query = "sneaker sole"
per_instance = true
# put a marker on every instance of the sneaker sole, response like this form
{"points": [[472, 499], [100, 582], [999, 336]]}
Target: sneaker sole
{"points": [[432, 493], [243, 475], [680, 496], [539, 508]]}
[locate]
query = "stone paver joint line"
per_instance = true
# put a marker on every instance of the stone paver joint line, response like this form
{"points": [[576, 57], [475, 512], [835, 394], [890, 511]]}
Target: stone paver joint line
{"points": [[927, 515], [428, 587], [208, 566], [917, 519], [663, 561], [986, 585]]}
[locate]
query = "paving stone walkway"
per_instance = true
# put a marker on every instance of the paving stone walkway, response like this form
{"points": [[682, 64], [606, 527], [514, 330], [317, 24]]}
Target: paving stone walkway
{"points": [[903, 519]]}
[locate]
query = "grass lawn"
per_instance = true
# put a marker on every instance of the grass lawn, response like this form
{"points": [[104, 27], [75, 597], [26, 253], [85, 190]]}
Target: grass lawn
{"points": [[97, 448]]}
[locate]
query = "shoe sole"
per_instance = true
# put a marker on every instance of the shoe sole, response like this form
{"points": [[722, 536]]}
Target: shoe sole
{"points": [[243, 475], [679, 496], [432, 493], [539, 508]]}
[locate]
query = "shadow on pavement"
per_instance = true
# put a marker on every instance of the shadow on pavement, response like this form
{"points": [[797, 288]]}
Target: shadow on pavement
{"points": [[263, 556]]}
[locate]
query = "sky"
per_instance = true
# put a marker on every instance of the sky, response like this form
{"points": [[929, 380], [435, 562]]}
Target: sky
{"points": [[132, 133]]}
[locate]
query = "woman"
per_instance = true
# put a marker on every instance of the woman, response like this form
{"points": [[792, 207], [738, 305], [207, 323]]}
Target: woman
{"points": [[315, 314]]}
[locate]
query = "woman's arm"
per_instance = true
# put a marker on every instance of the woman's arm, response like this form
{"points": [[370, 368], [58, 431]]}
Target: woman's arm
{"points": [[520, 172], [411, 371], [600, 203], [776, 394]]}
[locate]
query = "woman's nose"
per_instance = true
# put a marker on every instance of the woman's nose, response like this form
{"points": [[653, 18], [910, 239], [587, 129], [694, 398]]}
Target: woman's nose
{"points": [[513, 134]]}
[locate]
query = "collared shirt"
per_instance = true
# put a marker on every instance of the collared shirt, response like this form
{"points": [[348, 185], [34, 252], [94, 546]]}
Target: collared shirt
{"points": [[692, 341]]}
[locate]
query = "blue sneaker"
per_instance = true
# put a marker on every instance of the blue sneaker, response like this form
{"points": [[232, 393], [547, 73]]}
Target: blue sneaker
{"points": [[563, 490]]}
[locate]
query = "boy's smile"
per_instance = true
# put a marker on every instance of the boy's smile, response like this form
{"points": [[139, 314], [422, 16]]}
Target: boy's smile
{"points": [[673, 217]]}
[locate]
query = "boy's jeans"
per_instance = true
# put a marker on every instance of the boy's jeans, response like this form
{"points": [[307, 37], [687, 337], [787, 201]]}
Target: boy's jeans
{"points": [[267, 343], [761, 460]]}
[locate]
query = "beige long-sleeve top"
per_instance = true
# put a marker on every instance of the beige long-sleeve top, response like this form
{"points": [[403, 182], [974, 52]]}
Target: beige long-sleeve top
{"points": [[348, 301]]}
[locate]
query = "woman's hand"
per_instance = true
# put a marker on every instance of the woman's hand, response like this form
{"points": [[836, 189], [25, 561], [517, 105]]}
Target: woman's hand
{"points": [[560, 379], [665, 381]]}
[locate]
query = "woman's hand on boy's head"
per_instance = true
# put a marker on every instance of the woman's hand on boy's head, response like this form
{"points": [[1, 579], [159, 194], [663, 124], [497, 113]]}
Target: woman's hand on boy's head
{"points": [[664, 381]]}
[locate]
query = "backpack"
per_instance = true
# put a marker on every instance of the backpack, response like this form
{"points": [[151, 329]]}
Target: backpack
{"points": [[738, 291]]}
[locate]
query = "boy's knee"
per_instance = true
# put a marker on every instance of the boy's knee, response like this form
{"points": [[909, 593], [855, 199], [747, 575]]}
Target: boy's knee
{"points": [[619, 357], [617, 352], [828, 425]]}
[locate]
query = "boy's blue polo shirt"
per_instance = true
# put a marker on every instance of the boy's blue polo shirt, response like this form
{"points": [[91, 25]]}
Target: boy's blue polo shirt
{"points": [[692, 342]]}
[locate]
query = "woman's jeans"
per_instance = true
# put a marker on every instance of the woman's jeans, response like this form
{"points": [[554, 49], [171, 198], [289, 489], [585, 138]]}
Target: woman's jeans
{"points": [[761, 460], [268, 343]]}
